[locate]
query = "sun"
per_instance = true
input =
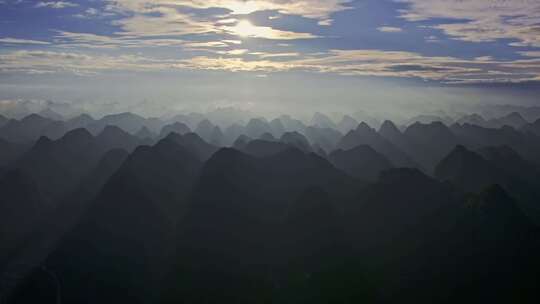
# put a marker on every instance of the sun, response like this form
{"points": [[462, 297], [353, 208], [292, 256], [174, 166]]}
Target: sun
{"points": [[244, 28]]}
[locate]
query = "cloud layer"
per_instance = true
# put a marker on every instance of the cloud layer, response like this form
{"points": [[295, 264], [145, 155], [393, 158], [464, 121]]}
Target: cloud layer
{"points": [[342, 62], [481, 20], [266, 36]]}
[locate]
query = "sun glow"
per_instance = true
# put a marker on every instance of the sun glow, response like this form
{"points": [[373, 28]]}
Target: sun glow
{"points": [[243, 8], [244, 28]]}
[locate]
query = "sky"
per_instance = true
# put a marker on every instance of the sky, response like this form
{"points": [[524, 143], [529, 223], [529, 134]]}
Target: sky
{"points": [[159, 56]]}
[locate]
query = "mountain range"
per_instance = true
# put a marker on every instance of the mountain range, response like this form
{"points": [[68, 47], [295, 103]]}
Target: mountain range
{"points": [[195, 210]]}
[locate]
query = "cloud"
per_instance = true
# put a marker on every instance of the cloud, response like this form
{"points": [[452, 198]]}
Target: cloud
{"points": [[376, 63], [206, 44], [151, 18], [236, 52], [44, 62], [234, 64], [530, 54], [315, 9], [389, 29], [74, 40], [56, 4], [432, 39], [245, 28], [9, 40], [275, 55], [163, 21], [480, 20], [325, 22], [91, 12]]}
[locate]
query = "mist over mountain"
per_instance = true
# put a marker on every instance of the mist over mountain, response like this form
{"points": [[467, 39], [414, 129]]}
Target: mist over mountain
{"points": [[227, 208]]}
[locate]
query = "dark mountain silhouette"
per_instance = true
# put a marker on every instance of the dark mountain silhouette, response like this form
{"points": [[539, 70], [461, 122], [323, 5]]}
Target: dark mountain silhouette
{"points": [[194, 144], [31, 128], [191, 119], [429, 119], [347, 124], [55, 130], [325, 138], [145, 133], [319, 151], [92, 184], [128, 247], [473, 119], [205, 129], [256, 127], [57, 166], [365, 135], [128, 122], [494, 165], [391, 133], [499, 214], [217, 138], [114, 137], [176, 127], [509, 161], [291, 124], [277, 127], [475, 137], [233, 132], [477, 249], [529, 113], [532, 127], [10, 152], [20, 208], [232, 247], [363, 116], [322, 121], [81, 121], [296, 140], [3, 120], [154, 124], [399, 201], [244, 236], [430, 142], [241, 142], [468, 170], [48, 231], [50, 114], [314, 220], [263, 148], [313, 240], [514, 120], [266, 174], [268, 137], [362, 162]]}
